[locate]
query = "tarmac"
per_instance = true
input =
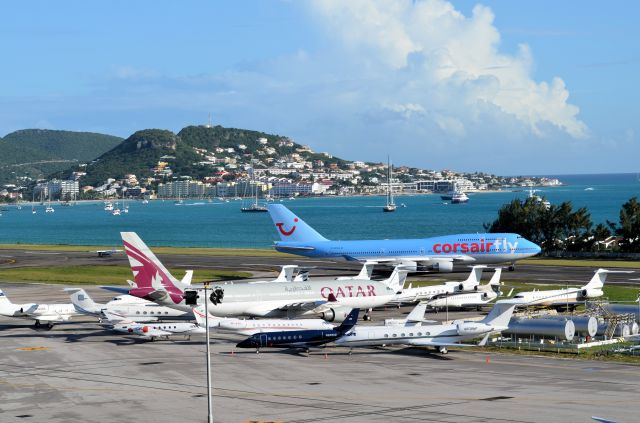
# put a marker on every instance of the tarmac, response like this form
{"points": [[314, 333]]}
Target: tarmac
{"points": [[81, 371]]}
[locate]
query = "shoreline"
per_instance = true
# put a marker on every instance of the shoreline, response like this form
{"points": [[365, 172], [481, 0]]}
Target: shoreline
{"points": [[397, 194]]}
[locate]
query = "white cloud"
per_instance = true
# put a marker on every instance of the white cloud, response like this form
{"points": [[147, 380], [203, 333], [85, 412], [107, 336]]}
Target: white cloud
{"points": [[447, 63]]}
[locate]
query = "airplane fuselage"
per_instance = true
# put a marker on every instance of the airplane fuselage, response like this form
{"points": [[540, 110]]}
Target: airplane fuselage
{"points": [[476, 248], [279, 299]]}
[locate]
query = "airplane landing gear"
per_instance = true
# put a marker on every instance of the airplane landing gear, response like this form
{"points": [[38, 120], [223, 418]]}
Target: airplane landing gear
{"points": [[49, 326], [367, 315], [443, 350], [37, 324], [512, 267]]}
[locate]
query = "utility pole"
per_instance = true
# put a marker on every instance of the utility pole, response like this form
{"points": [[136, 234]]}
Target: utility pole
{"points": [[206, 323]]}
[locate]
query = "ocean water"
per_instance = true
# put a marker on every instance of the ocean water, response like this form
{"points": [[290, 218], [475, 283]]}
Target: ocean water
{"points": [[218, 224]]}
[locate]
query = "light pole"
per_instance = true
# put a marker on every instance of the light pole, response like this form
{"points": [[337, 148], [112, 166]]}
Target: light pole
{"points": [[206, 324]]}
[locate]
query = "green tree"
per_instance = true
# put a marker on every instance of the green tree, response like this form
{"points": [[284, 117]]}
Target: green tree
{"points": [[629, 226]]}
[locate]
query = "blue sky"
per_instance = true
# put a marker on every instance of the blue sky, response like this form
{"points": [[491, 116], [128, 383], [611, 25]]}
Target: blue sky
{"points": [[540, 87]]}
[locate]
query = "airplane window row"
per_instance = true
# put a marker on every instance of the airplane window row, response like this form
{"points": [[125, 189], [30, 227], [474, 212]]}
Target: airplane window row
{"points": [[284, 338], [394, 335], [151, 312]]}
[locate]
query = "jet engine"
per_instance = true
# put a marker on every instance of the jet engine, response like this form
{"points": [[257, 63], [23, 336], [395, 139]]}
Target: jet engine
{"points": [[408, 265], [336, 314], [462, 287], [472, 328], [591, 293], [443, 266]]}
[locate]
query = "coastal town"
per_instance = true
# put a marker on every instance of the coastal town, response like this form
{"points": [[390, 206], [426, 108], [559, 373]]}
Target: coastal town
{"points": [[238, 172]]}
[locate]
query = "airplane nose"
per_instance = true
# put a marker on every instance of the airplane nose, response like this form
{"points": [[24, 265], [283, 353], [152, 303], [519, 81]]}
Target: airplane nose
{"points": [[535, 247]]}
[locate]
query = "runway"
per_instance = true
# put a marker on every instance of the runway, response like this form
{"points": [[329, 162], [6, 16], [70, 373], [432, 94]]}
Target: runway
{"points": [[270, 266]]}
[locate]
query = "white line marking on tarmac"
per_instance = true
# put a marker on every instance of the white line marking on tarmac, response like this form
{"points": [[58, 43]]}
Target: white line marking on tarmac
{"points": [[635, 279], [42, 253]]}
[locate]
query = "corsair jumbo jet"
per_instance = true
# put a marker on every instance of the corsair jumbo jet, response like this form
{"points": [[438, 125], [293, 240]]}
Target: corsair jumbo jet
{"points": [[437, 253]]}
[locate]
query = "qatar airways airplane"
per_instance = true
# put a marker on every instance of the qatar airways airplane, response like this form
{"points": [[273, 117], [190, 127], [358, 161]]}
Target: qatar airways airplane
{"points": [[437, 253]]}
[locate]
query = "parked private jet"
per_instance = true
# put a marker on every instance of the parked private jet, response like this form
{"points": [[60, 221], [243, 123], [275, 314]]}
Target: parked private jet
{"points": [[41, 313]]}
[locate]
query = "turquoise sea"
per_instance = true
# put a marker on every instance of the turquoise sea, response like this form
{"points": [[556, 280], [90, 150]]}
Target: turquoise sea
{"points": [[219, 224]]}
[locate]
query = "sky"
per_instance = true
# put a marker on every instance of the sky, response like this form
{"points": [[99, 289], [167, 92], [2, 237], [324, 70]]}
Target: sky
{"points": [[505, 87]]}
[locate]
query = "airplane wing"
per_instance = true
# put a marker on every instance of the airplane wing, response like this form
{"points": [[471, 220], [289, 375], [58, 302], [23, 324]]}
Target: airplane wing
{"points": [[431, 343], [147, 332]]}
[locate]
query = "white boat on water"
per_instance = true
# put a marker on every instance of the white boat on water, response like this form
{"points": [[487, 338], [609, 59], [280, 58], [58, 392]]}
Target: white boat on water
{"points": [[116, 212], [108, 206], [391, 205], [539, 199], [459, 197], [49, 209]]}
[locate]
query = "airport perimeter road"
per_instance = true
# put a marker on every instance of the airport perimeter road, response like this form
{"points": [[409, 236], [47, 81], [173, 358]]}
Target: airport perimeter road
{"points": [[269, 266], [78, 372]]}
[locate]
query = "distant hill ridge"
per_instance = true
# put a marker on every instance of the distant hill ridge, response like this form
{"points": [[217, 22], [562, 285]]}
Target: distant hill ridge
{"points": [[39, 152], [139, 153]]}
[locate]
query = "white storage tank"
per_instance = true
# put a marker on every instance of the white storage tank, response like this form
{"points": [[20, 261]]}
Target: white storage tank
{"points": [[550, 328], [585, 325], [624, 309]]}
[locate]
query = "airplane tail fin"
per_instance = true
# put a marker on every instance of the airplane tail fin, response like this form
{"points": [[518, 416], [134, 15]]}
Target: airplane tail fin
{"points": [[286, 274], [494, 282], [4, 301], [366, 271], [600, 277], [188, 276], [397, 279], [148, 271], [198, 313], [83, 302], [474, 277], [290, 227], [501, 313], [349, 322], [417, 314]]}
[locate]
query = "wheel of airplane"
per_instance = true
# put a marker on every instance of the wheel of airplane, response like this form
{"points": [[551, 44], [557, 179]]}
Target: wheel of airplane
{"points": [[512, 268], [37, 324], [443, 350], [49, 326]]}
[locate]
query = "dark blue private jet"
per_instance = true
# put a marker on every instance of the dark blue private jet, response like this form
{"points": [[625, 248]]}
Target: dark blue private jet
{"points": [[303, 339]]}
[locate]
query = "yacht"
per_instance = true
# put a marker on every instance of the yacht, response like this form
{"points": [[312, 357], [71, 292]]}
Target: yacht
{"points": [[108, 206], [391, 205], [539, 199], [254, 207], [459, 198]]}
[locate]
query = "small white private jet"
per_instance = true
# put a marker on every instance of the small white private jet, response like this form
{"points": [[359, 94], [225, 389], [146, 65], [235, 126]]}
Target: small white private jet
{"points": [[252, 326], [41, 313], [569, 297], [127, 306], [415, 295], [484, 295], [153, 330], [438, 336]]}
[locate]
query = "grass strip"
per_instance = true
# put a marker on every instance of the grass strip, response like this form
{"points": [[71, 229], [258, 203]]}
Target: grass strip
{"points": [[100, 275]]}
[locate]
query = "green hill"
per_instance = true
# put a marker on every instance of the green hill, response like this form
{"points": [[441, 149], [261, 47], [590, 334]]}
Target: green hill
{"points": [[141, 152], [38, 152]]}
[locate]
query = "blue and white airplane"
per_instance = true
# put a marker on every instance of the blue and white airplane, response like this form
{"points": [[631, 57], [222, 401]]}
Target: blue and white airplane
{"points": [[437, 253], [304, 339]]}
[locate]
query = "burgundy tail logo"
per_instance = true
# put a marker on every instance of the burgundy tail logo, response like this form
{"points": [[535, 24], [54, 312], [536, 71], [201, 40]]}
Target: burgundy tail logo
{"points": [[148, 275], [283, 231]]}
